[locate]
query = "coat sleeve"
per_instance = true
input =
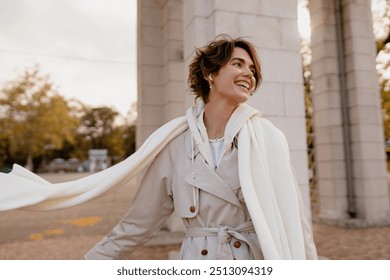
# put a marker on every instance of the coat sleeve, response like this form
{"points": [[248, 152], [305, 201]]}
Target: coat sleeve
{"points": [[151, 207]]}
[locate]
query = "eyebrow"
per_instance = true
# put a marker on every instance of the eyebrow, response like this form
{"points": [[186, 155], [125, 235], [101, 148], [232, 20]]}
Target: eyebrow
{"points": [[243, 61]]}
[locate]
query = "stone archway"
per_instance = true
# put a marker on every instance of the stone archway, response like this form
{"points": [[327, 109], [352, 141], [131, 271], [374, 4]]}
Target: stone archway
{"points": [[168, 31]]}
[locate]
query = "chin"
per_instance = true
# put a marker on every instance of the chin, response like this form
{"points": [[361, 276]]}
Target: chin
{"points": [[245, 98]]}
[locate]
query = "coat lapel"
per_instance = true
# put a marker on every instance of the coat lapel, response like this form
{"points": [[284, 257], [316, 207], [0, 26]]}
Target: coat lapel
{"points": [[202, 176]]}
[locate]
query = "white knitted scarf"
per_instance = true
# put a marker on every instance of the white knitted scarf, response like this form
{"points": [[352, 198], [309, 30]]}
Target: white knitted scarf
{"points": [[266, 177]]}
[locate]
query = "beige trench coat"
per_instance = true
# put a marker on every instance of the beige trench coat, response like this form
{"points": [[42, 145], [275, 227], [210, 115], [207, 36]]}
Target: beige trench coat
{"points": [[209, 202], [201, 196]]}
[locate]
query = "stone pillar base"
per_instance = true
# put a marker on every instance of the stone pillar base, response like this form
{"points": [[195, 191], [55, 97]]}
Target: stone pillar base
{"points": [[353, 223]]}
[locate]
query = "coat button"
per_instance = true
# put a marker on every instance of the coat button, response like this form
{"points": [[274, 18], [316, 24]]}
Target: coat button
{"points": [[192, 209], [204, 252], [237, 244]]}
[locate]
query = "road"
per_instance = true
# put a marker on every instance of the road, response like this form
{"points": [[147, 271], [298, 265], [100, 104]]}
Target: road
{"points": [[70, 233], [67, 233], [95, 217]]}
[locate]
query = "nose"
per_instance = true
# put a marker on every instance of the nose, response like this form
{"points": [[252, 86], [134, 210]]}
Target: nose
{"points": [[248, 72]]}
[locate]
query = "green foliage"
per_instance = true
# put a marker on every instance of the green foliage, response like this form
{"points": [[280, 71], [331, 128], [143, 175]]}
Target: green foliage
{"points": [[35, 119], [37, 125], [306, 57], [385, 98], [97, 125], [98, 131], [129, 139], [381, 24]]}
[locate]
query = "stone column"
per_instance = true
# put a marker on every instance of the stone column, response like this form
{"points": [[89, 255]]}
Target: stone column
{"points": [[174, 79], [160, 70], [272, 27], [160, 65], [150, 68], [368, 149], [345, 70]]}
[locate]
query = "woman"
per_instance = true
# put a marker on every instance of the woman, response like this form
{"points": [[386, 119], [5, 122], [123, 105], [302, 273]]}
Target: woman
{"points": [[223, 169], [200, 173]]}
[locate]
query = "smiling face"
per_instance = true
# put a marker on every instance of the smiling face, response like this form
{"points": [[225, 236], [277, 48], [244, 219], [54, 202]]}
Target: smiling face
{"points": [[235, 81]]}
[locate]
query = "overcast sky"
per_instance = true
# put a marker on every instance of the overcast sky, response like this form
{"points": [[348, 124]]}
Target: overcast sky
{"points": [[87, 46]]}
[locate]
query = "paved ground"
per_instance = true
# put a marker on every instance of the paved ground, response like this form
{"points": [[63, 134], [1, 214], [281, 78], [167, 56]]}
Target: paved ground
{"points": [[70, 233], [352, 244]]}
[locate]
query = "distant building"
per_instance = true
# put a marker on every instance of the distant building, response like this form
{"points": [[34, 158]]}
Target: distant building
{"points": [[62, 165], [97, 160]]}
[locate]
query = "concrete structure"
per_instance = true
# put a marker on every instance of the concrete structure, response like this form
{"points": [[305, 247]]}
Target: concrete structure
{"points": [[161, 79], [169, 30], [97, 160], [352, 177]]}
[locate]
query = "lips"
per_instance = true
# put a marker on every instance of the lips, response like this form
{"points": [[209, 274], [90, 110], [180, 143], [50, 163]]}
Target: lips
{"points": [[243, 84]]}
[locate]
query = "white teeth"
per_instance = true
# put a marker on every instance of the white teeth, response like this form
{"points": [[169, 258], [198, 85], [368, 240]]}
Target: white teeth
{"points": [[243, 84]]}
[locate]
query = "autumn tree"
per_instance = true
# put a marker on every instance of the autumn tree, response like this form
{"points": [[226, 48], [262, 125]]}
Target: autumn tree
{"points": [[98, 130], [129, 130], [34, 118], [381, 26], [381, 23]]}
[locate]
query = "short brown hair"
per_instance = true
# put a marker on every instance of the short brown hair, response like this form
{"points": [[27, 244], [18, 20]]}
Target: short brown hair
{"points": [[210, 58]]}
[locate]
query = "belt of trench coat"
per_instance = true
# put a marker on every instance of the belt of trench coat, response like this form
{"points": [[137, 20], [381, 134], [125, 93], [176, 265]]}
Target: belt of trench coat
{"points": [[224, 233]]}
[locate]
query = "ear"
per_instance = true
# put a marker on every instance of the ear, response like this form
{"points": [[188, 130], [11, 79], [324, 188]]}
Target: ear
{"points": [[210, 78]]}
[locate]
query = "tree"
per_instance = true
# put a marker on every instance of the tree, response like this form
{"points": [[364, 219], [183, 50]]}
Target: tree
{"points": [[98, 130], [129, 131], [381, 26], [381, 23], [35, 119]]}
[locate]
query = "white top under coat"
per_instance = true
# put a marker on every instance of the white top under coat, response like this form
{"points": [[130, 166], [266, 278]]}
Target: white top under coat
{"points": [[216, 147]]}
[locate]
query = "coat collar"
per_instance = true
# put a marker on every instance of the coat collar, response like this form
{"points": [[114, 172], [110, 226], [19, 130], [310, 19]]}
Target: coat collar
{"points": [[204, 177], [194, 115], [202, 174]]}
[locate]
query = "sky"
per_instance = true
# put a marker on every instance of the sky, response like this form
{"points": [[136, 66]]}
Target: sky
{"points": [[88, 47]]}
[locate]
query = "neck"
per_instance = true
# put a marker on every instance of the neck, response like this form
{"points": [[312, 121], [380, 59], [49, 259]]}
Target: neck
{"points": [[215, 119]]}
